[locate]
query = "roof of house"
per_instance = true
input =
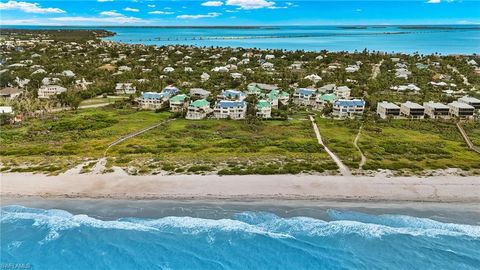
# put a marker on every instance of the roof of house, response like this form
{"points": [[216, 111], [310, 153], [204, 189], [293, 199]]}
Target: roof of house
{"points": [[263, 104], [412, 105], [350, 102], [230, 104], [232, 93], [151, 95], [180, 97], [468, 99], [10, 91], [460, 105], [305, 91], [388, 105], [200, 103], [435, 105]]}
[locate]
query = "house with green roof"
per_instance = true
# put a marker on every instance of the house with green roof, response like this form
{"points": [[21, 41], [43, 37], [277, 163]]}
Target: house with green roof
{"points": [[276, 96], [322, 100], [198, 109], [264, 109], [178, 103]]}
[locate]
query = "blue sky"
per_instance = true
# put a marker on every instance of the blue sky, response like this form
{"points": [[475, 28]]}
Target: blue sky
{"points": [[237, 12]]}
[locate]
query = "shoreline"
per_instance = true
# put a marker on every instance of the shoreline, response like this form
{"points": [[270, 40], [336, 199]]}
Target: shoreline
{"points": [[246, 188]]}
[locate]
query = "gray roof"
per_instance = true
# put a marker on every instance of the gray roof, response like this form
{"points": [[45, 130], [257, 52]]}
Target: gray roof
{"points": [[388, 105], [460, 105], [412, 105], [435, 105], [467, 99]]}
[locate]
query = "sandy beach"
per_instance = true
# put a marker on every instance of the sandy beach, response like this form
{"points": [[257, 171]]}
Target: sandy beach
{"points": [[243, 188]]}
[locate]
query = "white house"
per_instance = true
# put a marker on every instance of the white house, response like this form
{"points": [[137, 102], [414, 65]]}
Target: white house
{"points": [[198, 109], [230, 109], [436, 110], [199, 93], [348, 108], [168, 70], [343, 92], [475, 102], [387, 109], [10, 92], [204, 77], [46, 91], [178, 103], [231, 94], [313, 77], [412, 110], [460, 109], [68, 73], [305, 96], [267, 66], [125, 88], [151, 100], [264, 109]]}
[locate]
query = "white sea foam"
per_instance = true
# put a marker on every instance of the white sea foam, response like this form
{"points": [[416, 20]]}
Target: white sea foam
{"points": [[267, 224]]}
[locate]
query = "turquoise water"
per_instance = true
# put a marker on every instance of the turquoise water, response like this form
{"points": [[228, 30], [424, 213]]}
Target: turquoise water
{"points": [[457, 39], [57, 239]]}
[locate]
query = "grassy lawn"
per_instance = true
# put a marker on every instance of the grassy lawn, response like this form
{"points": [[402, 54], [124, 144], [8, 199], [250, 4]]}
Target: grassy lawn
{"points": [[415, 146], [339, 135], [67, 138], [226, 146]]}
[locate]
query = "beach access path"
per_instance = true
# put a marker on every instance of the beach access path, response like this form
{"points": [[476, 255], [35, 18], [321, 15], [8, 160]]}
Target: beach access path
{"points": [[344, 170]]}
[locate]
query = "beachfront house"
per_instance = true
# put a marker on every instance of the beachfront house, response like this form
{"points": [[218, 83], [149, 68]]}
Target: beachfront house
{"points": [[436, 110], [275, 96], [305, 96], [10, 93], [350, 108], [47, 91], [322, 100], [387, 109], [231, 94], [125, 89], [199, 93], [461, 110], [178, 103], [230, 109], [151, 100], [343, 92], [264, 109], [198, 109], [475, 102], [412, 110]]}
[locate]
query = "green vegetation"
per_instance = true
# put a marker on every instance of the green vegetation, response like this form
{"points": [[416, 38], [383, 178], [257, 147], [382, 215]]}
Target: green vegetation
{"points": [[415, 146], [229, 147], [68, 138], [473, 131], [339, 137]]}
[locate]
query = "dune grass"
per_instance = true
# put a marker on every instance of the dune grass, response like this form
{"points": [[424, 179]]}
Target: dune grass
{"points": [[226, 147]]}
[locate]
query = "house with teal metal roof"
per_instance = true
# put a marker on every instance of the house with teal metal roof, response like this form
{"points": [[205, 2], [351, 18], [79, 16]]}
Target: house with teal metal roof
{"points": [[178, 103], [264, 109], [151, 100], [322, 100], [198, 109]]}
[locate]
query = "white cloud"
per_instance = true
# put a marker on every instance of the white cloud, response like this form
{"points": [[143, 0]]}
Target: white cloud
{"points": [[433, 1], [212, 4], [113, 20], [112, 13], [160, 12], [104, 0], [28, 7], [17, 22], [200, 16], [250, 4], [131, 9], [151, 6]]}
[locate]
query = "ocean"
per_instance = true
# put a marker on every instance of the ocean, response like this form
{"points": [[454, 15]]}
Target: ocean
{"points": [[159, 235], [428, 39]]}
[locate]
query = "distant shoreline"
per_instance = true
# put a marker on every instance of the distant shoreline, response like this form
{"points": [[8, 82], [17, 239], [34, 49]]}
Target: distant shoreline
{"points": [[118, 185]]}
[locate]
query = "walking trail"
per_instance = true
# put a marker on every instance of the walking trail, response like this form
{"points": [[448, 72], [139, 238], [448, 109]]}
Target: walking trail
{"points": [[376, 69], [101, 163], [362, 156], [467, 139], [344, 170]]}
